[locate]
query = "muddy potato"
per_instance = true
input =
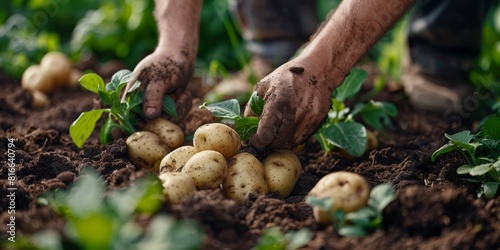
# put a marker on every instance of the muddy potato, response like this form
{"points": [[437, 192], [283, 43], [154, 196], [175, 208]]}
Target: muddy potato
{"points": [[35, 79], [145, 150], [175, 160], [348, 191], [40, 99], [282, 170], [169, 133], [207, 169], [218, 137], [245, 175], [57, 66], [177, 186]]}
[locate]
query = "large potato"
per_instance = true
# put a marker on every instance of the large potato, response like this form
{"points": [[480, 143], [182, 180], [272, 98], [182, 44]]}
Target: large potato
{"points": [[145, 150], [35, 79], [175, 160], [169, 133], [348, 191], [57, 66], [177, 186], [282, 169], [245, 175], [218, 137], [207, 168]]}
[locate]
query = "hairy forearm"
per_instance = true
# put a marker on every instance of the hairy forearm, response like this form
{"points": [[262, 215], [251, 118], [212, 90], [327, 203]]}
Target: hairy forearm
{"points": [[354, 27], [178, 22]]}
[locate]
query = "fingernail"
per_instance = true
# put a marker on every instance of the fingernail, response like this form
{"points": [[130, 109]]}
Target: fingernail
{"points": [[150, 111]]}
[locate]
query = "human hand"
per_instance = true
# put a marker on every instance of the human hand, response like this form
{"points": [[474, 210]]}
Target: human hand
{"points": [[297, 99]]}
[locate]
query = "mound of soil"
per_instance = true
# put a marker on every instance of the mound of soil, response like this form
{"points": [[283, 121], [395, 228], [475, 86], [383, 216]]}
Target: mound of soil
{"points": [[435, 208]]}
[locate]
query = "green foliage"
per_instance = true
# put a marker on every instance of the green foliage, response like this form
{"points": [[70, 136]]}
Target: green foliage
{"points": [[123, 114], [482, 153], [363, 221], [274, 239], [229, 111], [340, 129]]}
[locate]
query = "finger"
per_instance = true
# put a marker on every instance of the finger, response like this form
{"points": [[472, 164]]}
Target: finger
{"points": [[153, 99], [285, 135]]}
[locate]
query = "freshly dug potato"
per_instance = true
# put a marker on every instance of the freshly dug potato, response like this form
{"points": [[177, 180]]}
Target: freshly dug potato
{"points": [[145, 150], [34, 78], [245, 174], [175, 160], [207, 168], [282, 169], [40, 99], [57, 66], [169, 133], [218, 137], [177, 186], [348, 191]]}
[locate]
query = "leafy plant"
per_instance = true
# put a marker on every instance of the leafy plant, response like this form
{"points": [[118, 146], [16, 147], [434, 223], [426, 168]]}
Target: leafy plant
{"points": [[363, 221], [482, 153], [99, 221], [229, 111], [340, 128], [274, 239], [122, 114]]}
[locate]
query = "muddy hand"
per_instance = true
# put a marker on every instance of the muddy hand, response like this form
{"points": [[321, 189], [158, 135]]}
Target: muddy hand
{"points": [[297, 98]]}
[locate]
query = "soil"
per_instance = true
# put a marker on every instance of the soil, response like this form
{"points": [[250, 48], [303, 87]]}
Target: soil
{"points": [[435, 208]]}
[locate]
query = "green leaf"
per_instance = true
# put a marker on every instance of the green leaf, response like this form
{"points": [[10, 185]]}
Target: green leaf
{"points": [[105, 135], [322, 203], [135, 86], [94, 231], [271, 239], [298, 239], [460, 138], [376, 114], [490, 188], [229, 109], [351, 136], [81, 199], [136, 99], [351, 85], [152, 197], [169, 107], [381, 195], [246, 127], [361, 217], [119, 79], [443, 150], [256, 103], [92, 82], [481, 169], [352, 231], [464, 169], [106, 97], [81, 129], [491, 127]]}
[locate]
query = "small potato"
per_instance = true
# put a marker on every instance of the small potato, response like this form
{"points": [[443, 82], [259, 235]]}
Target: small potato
{"points": [[169, 133], [177, 186], [282, 169], [145, 150], [245, 174], [218, 137], [175, 160], [57, 66], [207, 168], [348, 191], [40, 99], [35, 79]]}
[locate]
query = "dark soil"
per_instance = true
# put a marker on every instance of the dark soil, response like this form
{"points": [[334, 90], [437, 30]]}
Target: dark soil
{"points": [[435, 208]]}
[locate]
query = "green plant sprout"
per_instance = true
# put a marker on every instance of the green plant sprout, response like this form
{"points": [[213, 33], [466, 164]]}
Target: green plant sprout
{"points": [[99, 221], [122, 114], [274, 239], [482, 153], [363, 221]]}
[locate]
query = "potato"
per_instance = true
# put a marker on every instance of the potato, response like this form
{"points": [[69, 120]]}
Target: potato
{"points": [[35, 79], [145, 150], [169, 133], [177, 186], [218, 137], [282, 169], [245, 174], [175, 160], [207, 168], [57, 66], [74, 77], [348, 191], [40, 99]]}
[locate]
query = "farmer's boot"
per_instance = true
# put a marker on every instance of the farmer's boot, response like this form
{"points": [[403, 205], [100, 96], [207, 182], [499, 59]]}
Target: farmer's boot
{"points": [[444, 40], [272, 30]]}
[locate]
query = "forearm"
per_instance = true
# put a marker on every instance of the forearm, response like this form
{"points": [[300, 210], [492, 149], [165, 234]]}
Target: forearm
{"points": [[178, 23], [354, 27]]}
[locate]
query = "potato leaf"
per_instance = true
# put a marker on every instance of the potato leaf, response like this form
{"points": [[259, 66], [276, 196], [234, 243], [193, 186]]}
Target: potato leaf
{"points": [[352, 231], [381, 195], [119, 79], [256, 103], [92, 82], [246, 127], [490, 128], [464, 169], [350, 136], [351, 85], [376, 114], [481, 169], [443, 150], [81, 129], [298, 239], [490, 188], [168, 106], [229, 109]]}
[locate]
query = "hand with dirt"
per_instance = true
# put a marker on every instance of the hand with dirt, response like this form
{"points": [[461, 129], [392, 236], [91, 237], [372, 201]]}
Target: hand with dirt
{"points": [[169, 68], [297, 94]]}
